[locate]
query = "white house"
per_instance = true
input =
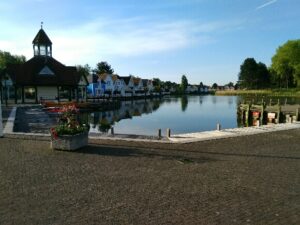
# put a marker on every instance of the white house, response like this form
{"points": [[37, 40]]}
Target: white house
{"points": [[138, 87], [129, 85], [107, 83], [148, 86], [203, 89], [119, 85], [191, 89]]}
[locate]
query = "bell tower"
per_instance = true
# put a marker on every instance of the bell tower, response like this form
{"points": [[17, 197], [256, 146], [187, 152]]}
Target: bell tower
{"points": [[42, 45]]}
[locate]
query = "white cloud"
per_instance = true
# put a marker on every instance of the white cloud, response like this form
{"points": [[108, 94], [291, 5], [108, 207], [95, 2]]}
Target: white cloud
{"points": [[266, 4], [103, 38], [125, 38]]}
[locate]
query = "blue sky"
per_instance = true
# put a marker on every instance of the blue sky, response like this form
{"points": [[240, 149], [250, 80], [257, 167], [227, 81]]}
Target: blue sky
{"points": [[205, 39]]}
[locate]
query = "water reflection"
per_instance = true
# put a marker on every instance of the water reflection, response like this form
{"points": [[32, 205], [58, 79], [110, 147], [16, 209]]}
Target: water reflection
{"points": [[184, 103], [181, 115], [103, 121]]}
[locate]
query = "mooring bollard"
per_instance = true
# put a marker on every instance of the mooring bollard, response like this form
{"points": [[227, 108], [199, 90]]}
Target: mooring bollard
{"points": [[1, 125], [168, 132], [112, 131], [159, 133], [218, 126], [288, 118]]}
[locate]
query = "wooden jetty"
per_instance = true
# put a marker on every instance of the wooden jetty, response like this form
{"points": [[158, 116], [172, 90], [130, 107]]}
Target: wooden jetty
{"points": [[263, 113]]}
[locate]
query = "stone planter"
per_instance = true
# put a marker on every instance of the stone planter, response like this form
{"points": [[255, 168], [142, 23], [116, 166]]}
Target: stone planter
{"points": [[69, 142]]}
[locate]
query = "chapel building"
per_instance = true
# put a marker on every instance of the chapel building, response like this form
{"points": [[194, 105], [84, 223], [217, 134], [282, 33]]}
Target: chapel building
{"points": [[42, 77]]}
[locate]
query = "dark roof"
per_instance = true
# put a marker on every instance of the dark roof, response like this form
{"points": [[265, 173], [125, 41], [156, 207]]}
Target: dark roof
{"points": [[126, 79], [41, 38], [41, 70]]}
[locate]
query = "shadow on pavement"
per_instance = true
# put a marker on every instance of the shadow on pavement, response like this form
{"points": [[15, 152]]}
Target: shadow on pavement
{"points": [[132, 152]]}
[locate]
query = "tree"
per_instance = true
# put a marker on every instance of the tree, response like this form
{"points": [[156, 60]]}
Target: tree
{"points": [[230, 84], [184, 83], [6, 58], [184, 103], [214, 86], [84, 70], [103, 67], [201, 85], [286, 64], [253, 75], [158, 84]]}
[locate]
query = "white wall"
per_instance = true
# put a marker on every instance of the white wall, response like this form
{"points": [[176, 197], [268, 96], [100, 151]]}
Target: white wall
{"points": [[47, 92]]}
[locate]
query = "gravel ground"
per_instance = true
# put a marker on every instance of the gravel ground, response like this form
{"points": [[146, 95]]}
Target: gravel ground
{"points": [[243, 180]]}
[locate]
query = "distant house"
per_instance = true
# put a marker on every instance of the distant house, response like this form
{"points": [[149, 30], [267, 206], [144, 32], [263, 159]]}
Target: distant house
{"points": [[119, 85], [148, 86], [204, 89], [228, 88], [138, 86], [191, 89], [107, 83], [94, 88], [42, 77], [129, 85]]}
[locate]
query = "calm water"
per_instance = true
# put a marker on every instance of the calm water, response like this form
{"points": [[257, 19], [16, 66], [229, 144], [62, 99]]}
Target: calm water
{"points": [[180, 114]]}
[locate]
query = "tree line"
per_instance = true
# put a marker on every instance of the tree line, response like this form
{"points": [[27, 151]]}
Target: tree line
{"points": [[284, 71]]}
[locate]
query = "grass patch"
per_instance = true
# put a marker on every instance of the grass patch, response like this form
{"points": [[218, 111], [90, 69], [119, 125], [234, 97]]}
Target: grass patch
{"points": [[267, 92]]}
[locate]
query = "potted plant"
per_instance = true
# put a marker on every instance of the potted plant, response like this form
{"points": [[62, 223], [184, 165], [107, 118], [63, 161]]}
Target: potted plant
{"points": [[69, 134]]}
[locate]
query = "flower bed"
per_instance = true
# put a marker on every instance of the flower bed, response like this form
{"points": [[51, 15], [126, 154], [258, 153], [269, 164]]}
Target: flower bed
{"points": [[69, 134]]}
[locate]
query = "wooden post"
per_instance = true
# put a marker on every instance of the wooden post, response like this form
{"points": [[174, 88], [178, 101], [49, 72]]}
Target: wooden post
{"points": [[278, 114], [112, 131], [1, 125], [247, 114], [262, 114], [297, 114], [168, 132], [159, 133]]}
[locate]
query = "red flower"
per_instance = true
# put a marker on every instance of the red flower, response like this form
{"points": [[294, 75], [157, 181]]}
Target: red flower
{"points": [[53, 133]]}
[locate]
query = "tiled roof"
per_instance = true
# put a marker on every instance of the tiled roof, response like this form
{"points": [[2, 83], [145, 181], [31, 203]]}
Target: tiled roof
{"points": [[136, 81], [115, 77], [29, 73], [42, 38], [103, 76]]}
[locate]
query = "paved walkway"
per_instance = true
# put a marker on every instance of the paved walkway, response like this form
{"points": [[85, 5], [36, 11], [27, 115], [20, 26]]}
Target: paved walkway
{"points": [[235, 132], [239, 180]]}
